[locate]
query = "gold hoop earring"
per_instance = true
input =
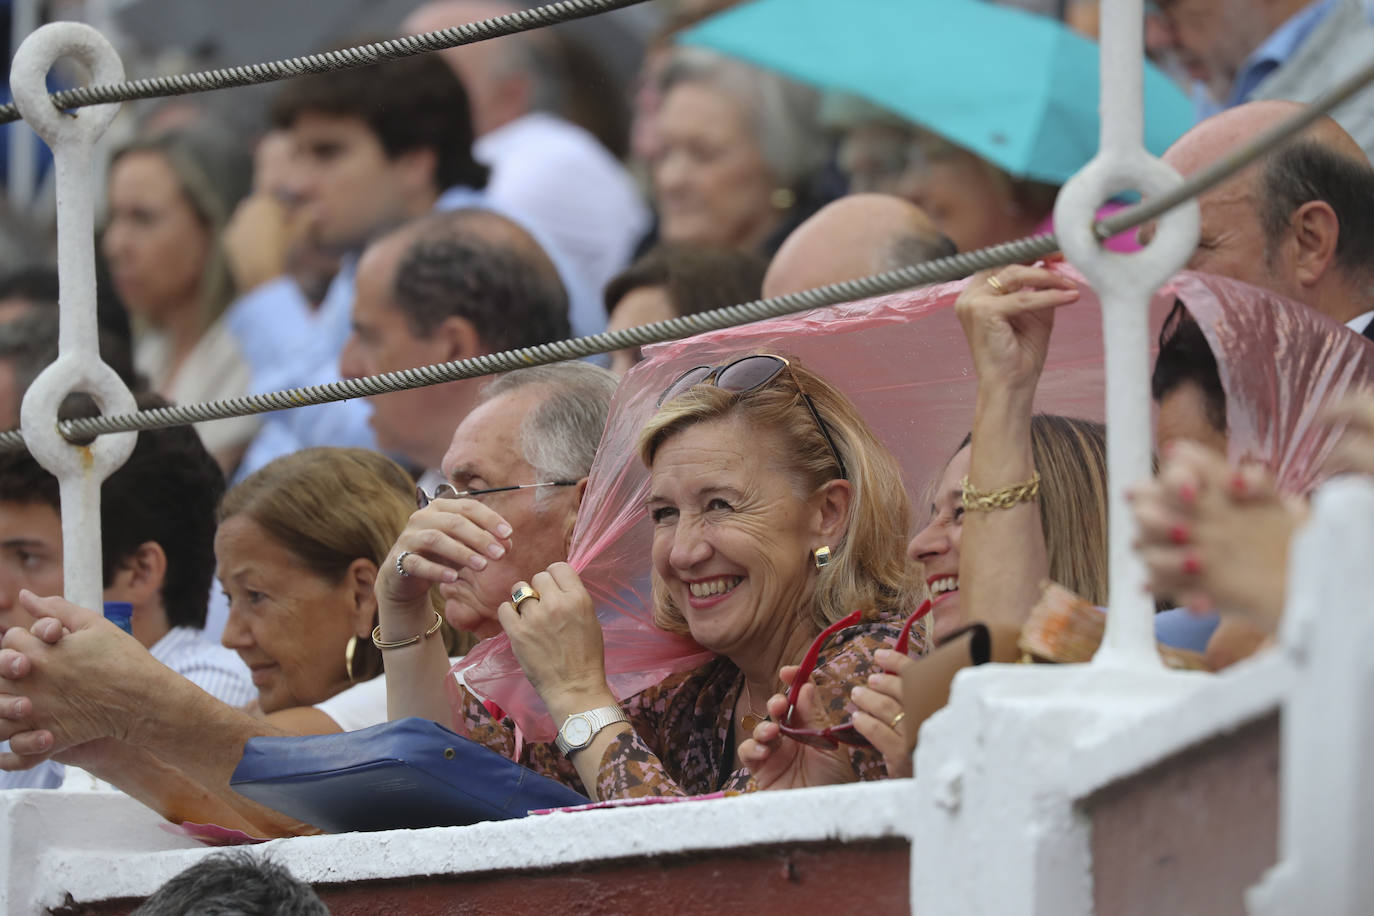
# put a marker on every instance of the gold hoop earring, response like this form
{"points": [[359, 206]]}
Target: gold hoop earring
{"points": [[821, 555], [350, 651]]}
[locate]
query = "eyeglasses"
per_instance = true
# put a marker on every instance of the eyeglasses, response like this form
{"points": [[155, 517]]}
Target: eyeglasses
{"points": [[750, 373], [832, 737], [448, 491]]}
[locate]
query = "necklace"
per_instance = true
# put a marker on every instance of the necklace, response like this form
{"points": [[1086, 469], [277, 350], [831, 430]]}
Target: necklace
{"points": [[750, 720]]}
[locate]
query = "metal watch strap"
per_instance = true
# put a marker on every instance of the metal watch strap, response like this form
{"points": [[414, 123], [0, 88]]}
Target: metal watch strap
{"points": [[596, 719]]}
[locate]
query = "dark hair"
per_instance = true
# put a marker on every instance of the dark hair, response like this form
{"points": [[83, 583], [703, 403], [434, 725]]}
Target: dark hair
{"points": [[35, 284], [477, 265], [38, 286], [410, 103], [697, 278], [1304, 171], [1185, 357], [234, 884], [906, 250], [26, 482], [30, 344], [166, 493]]}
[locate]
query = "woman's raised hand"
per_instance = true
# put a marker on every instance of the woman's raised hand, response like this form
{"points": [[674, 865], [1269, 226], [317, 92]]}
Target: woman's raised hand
{"points": [[440, 539], [1007, 315], [557, 640], [778, 762]]}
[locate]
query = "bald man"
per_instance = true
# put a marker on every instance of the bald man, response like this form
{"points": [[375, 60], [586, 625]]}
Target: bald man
{"points": [[1299, 222], [545, 171], [854, 237]]}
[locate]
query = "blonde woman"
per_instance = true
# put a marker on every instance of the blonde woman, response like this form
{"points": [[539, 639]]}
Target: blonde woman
{"points": [[170, 196], [778, 516]]}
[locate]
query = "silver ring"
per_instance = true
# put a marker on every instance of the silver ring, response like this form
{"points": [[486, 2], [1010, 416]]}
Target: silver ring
{"points": [[400, 561]]}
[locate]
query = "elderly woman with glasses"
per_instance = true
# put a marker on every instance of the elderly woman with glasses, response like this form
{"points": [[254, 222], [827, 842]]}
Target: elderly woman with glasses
{"points": [[778, 518]]}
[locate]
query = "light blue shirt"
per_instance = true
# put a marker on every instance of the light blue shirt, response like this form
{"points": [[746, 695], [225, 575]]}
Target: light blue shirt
{"points": [[1273, 53]]}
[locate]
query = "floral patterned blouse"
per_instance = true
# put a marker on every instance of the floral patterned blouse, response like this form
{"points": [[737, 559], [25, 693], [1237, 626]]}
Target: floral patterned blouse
{"points": [[683, 740]]}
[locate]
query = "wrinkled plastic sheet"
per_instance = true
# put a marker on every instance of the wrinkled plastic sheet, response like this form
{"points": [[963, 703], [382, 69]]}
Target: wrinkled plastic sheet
{"points": [[903, 360]]}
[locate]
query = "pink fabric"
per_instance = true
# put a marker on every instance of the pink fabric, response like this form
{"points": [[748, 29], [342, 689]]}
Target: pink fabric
{"points": [[1124, 243], [1281, 365], [904, 362]]}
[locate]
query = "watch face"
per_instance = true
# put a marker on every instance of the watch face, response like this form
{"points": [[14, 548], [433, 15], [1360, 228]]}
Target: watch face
{"points": [[577, 731]]}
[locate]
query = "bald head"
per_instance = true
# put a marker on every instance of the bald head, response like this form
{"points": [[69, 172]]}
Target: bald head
{"points": [[1228, 131], [854, 237], [1297, 222]]}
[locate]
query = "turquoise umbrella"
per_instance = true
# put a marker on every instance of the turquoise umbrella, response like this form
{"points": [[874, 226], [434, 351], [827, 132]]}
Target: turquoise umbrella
{"points": [[1020, 90]]}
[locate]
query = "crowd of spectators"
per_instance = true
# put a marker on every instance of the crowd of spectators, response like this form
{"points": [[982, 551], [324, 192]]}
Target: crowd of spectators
{"points": [[379, 558]]}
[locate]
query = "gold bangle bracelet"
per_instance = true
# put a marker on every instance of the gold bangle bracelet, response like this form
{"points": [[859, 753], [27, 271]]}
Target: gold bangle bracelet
{"points": [[377, 635], [1002, 497]]}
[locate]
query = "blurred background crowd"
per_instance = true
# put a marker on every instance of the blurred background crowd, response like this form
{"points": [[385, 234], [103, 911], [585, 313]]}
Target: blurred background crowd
{"points": [[663, 160]]}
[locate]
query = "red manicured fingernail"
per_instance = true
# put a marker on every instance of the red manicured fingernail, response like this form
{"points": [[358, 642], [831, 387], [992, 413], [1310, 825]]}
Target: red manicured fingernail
{"points": [[1187, 493], [1238, 485], [1179, 534], [1191, 564]]}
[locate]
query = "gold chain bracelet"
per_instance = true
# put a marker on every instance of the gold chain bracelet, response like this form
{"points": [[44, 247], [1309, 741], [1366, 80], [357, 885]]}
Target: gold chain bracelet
{"points": [[1002, 497], [410, 641]]}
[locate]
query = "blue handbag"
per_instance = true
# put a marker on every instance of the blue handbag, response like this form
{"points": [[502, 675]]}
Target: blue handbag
{"points": [[405, 774]]}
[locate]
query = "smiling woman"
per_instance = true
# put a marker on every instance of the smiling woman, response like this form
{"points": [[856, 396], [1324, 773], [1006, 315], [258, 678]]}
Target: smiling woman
{"points": [[777, 513]]}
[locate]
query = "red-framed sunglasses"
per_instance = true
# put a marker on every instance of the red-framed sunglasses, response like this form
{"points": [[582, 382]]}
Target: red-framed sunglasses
{"points": [[832, 737]]}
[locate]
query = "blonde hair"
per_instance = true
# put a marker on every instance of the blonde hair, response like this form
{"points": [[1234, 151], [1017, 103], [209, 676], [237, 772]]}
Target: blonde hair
{"points": [[869, 569], [1071, 456], [328, 507]]}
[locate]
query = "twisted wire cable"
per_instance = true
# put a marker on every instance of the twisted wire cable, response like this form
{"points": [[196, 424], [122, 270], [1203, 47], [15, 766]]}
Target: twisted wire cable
{"points": [[941, 270], [326, 61]]}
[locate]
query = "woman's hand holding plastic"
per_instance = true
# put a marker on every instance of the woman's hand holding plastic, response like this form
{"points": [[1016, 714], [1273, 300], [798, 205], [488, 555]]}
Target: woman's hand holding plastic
{"points": [[1007, 316], [557, 640], [780, 763]]}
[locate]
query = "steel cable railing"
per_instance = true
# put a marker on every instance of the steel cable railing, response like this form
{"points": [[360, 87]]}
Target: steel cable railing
{"points": [[942, 270]]}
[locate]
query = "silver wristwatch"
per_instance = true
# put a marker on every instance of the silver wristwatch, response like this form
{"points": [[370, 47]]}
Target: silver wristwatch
{"points": [[579, 730]]}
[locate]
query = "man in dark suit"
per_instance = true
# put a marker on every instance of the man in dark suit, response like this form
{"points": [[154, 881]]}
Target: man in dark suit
{"points": [[1299, 222]]}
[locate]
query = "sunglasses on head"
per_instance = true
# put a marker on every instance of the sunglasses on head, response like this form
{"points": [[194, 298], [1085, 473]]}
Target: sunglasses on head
{"points": [[832, 737], [749, 373]]}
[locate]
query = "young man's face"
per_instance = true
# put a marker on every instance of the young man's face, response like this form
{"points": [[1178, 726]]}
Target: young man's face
{"points": [[30, 557], [348, 187]]}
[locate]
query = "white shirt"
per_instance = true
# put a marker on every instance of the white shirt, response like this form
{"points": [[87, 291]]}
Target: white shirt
{"points": [[214, 369], [360, 706], [569, 187], [1360, 323]]}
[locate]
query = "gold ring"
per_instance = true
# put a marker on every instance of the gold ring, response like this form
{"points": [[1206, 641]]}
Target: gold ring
{"points": [[521, 594], [898, 718], [996, 284]]}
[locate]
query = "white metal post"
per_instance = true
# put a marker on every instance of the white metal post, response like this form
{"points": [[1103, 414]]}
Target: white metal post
{"points": [[1125, 284], [80, 469]]}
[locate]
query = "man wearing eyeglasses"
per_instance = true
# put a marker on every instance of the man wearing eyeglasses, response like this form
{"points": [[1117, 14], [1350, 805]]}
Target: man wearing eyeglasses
{"points": [[534, 426]]}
